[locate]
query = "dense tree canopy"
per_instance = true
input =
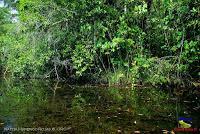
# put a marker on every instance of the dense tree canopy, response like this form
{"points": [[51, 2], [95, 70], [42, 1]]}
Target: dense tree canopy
{"points": [[153, 41]]}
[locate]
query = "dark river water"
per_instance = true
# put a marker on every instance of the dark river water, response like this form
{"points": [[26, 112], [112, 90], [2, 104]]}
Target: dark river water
{"points": [[37, 106]]}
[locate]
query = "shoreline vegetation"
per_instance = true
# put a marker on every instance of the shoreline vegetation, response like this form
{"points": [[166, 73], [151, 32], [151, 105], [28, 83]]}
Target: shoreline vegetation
{"points": [[105, 42]]}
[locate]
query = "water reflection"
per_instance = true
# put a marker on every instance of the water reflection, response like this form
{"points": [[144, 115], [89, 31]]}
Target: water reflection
{"points": [[75, 109]]}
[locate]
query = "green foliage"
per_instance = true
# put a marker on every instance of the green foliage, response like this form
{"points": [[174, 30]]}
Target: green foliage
{"points": [[82, 59], [22, 58], [128, 39], [156, 71], [118, 77], [4, 19]]}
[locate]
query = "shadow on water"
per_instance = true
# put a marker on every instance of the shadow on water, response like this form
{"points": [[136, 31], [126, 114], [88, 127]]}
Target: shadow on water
{"points": [[46, 106]]}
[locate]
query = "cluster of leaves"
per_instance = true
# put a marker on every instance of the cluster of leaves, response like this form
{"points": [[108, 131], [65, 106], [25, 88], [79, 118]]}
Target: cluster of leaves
{"points": [[156, 71], [103, 36]]}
